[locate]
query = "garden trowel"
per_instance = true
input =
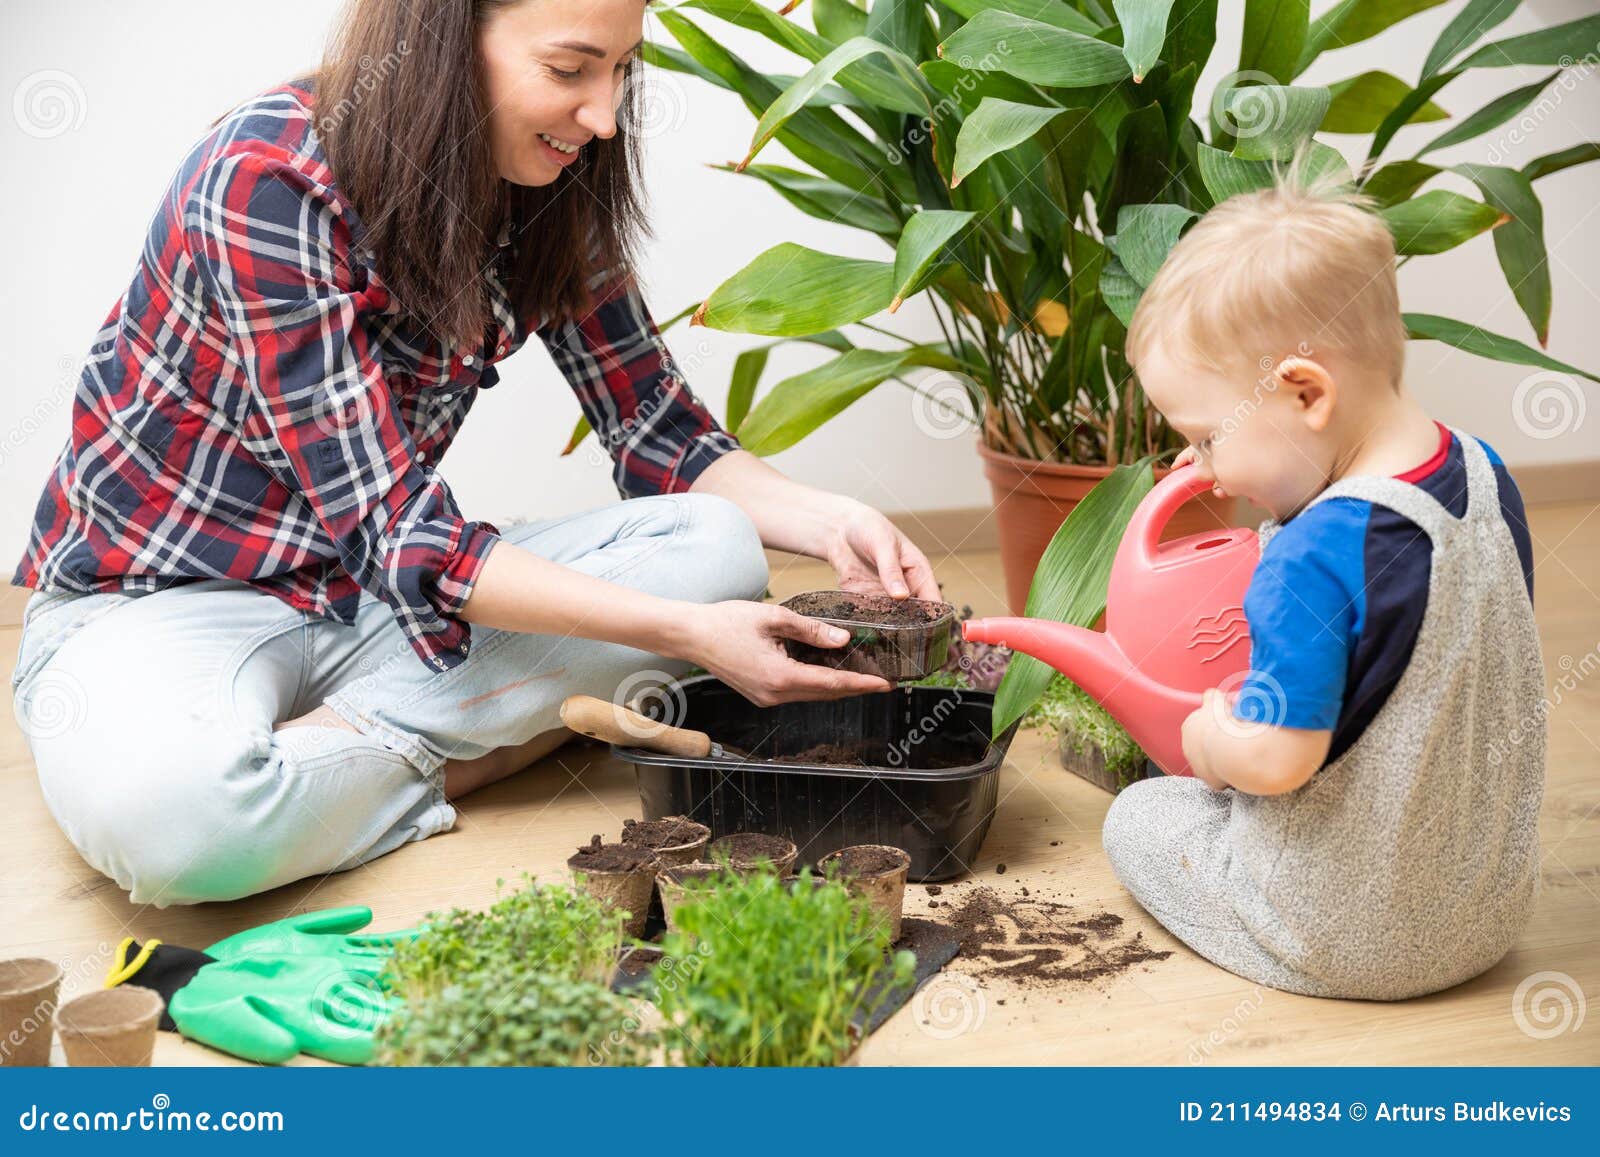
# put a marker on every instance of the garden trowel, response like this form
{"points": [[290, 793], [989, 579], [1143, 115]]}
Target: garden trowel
{"points": [[614, 723]]}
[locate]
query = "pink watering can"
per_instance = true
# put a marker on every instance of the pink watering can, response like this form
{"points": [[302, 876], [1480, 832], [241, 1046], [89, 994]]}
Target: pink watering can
{"points": [[1175, 624]]}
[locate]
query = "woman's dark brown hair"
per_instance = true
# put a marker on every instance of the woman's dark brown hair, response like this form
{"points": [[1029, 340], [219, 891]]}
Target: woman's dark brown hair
{"points": [[402, 114]]}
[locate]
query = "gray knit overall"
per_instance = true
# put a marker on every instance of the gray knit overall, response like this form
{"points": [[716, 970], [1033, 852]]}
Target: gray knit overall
{"points": [[1410, 863]]}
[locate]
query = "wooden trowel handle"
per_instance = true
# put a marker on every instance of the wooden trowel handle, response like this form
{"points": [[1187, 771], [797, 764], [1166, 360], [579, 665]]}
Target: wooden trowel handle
{"points": [[614, 723]]}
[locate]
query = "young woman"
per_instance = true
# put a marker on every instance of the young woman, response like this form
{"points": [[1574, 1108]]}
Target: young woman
{"points": [[264, 642]]}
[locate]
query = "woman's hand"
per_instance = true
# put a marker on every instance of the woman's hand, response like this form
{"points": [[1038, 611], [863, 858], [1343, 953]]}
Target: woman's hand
{"points": [[866, 550], [871, 555], [741, 643]]}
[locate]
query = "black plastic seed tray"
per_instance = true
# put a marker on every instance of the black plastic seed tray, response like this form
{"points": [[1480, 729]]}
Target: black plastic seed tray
{"points": [[928, 782]]}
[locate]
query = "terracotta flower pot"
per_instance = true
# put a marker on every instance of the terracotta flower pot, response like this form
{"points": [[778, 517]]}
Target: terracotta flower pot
{"points": [[27, 1002], [1032, 499], [112, 1026]]}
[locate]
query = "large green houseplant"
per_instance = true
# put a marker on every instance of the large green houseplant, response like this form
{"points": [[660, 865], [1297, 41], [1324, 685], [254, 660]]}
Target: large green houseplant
{"points": [[1029, 163]]}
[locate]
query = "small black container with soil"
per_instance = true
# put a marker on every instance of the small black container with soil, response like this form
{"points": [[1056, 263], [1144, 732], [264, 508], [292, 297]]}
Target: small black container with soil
{"points": [[898, 639]]}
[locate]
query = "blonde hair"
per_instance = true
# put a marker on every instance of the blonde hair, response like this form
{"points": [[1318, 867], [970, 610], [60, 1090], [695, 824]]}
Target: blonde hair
{"points": [[1304, 266]]}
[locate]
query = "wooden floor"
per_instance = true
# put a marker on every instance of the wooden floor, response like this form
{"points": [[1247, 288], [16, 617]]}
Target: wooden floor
{"points": [[1180, 1010]]}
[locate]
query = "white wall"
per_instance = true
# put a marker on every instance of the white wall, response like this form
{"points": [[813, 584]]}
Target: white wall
{"points": [[150, 75]]}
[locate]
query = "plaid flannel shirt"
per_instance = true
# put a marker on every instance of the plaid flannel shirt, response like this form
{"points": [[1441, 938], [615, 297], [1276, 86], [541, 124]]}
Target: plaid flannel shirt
{"points": [[256, 407]]}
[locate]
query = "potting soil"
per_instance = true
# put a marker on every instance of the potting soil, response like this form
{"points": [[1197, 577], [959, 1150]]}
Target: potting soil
{"points": [[596, 856], [866, 861], [1037, 943], [672, 832], [872, 610], [860, 753], [747, 847]]}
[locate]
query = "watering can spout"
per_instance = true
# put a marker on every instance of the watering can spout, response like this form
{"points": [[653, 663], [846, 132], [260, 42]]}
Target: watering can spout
{"points": [[1151, 712], [1086, 657]]}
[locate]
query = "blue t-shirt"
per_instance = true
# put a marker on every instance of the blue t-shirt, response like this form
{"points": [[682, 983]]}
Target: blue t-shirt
{"points": [[1337, 600]]}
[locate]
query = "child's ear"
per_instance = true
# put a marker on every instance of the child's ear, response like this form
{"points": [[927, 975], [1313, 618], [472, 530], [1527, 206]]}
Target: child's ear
{"points": [[1312, 388]]}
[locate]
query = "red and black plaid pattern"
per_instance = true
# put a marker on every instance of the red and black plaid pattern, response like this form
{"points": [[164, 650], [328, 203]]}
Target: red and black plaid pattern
{"points": [[256, 406]]}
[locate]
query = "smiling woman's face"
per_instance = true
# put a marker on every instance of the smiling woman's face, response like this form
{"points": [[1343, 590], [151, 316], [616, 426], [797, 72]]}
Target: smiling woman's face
{"points": [[553, 79]]}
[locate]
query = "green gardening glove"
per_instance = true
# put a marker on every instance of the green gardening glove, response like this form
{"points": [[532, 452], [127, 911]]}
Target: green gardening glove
{"points": [[329, 933], [271, 1008]]}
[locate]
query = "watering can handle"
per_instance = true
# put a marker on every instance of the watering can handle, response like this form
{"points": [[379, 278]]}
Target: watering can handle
{"points": [[1158, 507]]}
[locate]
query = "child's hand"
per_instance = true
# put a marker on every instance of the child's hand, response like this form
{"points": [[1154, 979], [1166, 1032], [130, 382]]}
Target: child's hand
{"points": [[1187, 457], [1200, 723], [1259, 758]]}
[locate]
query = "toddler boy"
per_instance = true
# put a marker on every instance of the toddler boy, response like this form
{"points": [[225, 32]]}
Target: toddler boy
{"points": [[1358, 825]]}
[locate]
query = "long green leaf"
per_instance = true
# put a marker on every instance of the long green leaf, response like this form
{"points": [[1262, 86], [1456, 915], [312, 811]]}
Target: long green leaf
{"points": [[1491, 116], [1428, 327], [1437, 221], [1563, 159], [796, 406], [1119, 290], [1191, 35], [1396, 182], [579, 432], [996, 41], [1144, 29], [790, 291], [747, 370], [1404, 111], [1146, 234], [1274, 35], [970, 88], [1519, 243], [1361, 103], [917, 257], [1560, 45], [868, 78], [1352, 21], [796, 96], [1053, 12], [838, 20], [819, 137], [824, 199], [997, 125], [1225, 175], [1464, 30], [1070, 583], [902, 25], [752, 363], [676, 60], [1271, 121]]}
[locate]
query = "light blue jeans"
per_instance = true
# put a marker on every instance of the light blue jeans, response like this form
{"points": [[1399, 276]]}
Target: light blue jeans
{"points": [[151, 715]]}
